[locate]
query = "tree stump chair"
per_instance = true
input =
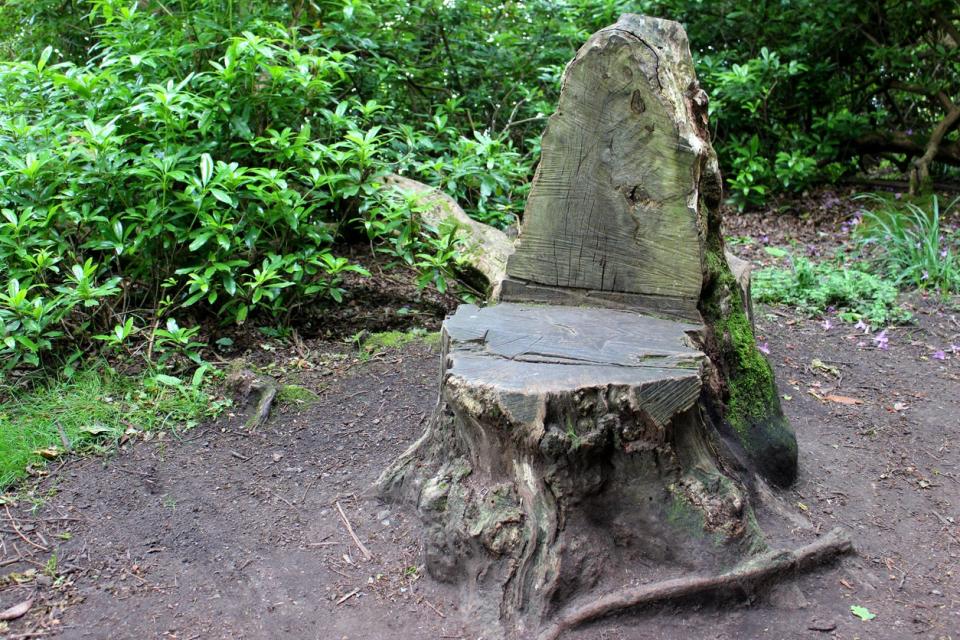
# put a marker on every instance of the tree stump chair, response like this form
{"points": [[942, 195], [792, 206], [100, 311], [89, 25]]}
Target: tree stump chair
{"points": [[600, 425]]}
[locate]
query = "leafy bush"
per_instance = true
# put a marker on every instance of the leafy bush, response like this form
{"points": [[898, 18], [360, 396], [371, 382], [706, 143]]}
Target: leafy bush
{"points": [[166, 161], [911, 245], [161, 177], [813, 288], [818, 83]]}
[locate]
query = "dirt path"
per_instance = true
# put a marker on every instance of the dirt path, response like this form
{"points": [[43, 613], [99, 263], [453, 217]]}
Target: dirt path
{"points": [[226, 534], [235, 535]]}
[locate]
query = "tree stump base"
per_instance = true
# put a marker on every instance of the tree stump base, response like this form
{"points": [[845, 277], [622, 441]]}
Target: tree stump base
{"points": [[601, 450], [569, 454]]}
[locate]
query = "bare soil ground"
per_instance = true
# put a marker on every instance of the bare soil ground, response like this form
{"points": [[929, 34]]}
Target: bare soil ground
{"points": [[224, 533]]}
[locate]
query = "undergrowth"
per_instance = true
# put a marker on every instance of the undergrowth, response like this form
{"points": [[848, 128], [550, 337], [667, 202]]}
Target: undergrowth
{"points": [[817, 287], [175, 174], [910, 243], [91, 412]]}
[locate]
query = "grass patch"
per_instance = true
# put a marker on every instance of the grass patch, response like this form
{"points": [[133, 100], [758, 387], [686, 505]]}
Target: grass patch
{"points": [[87, 413], [815, 287], [911, 243]]}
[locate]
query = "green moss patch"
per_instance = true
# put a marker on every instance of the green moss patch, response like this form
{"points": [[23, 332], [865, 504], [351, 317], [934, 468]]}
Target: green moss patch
{"points": [[752, 405], [388, 340], [295, 394]]}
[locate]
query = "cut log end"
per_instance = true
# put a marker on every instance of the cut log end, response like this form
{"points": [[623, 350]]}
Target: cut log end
{"points": [[568, 441]]}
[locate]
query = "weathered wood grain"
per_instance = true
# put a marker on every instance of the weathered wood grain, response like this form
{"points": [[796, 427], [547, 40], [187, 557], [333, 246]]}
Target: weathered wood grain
{"points": [[583, 435], [613, 206], [525, 353], [674, 307]]}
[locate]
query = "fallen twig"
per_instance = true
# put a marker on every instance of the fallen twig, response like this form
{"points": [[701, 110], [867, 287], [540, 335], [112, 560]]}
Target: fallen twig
{"points": [[739, 579], [20, 533], [282, 499], [348, 596], [245, 382], [63, 437], [430, 604], [338, 572], [346, 523]]}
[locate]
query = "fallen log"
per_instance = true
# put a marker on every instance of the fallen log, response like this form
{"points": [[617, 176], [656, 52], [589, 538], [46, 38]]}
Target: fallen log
{"points": [[484, 248]]}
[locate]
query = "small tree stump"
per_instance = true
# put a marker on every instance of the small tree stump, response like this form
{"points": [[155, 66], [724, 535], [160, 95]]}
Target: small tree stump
{"points": [[600, 426]]}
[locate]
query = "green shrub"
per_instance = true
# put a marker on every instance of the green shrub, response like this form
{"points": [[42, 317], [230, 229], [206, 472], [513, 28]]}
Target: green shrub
{"points": [[168, 174], [814, 288]]}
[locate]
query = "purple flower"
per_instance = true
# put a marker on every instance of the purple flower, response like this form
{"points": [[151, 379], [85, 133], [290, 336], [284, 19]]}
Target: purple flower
{"points": [[897, 196], [863, 326], [943, 253], [881, 340], [764, 348], [955, 349], [909, 132], [925, 275], [939, 355]]}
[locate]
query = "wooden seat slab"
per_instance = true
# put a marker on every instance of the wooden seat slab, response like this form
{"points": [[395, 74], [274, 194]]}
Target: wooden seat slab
{"points": [[525, 352]]}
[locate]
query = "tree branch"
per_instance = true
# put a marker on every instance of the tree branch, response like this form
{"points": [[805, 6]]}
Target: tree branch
{"points": [[949, 27], [773, 564], [920, 175]]}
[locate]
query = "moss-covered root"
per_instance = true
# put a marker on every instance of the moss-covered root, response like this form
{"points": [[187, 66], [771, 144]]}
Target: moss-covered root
{"points": [[752, 405]]}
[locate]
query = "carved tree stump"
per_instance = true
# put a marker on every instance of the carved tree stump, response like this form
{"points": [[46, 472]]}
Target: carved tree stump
{"points": [[599, 426]]}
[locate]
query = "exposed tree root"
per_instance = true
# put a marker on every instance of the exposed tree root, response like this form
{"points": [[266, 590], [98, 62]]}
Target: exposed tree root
{"points": [[267, 389], [246, 383], [743, 578]]}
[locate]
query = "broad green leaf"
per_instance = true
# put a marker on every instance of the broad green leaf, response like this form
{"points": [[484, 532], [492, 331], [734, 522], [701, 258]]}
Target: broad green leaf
{"points": [[170, 381], [222, 196], [206, 168], [44, 57], [862, 612]]}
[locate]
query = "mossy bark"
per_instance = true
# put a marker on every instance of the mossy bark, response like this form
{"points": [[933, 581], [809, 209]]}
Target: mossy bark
{"points": [[744, 392]]}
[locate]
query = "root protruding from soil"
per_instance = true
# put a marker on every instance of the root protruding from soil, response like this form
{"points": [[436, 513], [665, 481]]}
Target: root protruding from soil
{"points": [[247, 384], [743, 578]]}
